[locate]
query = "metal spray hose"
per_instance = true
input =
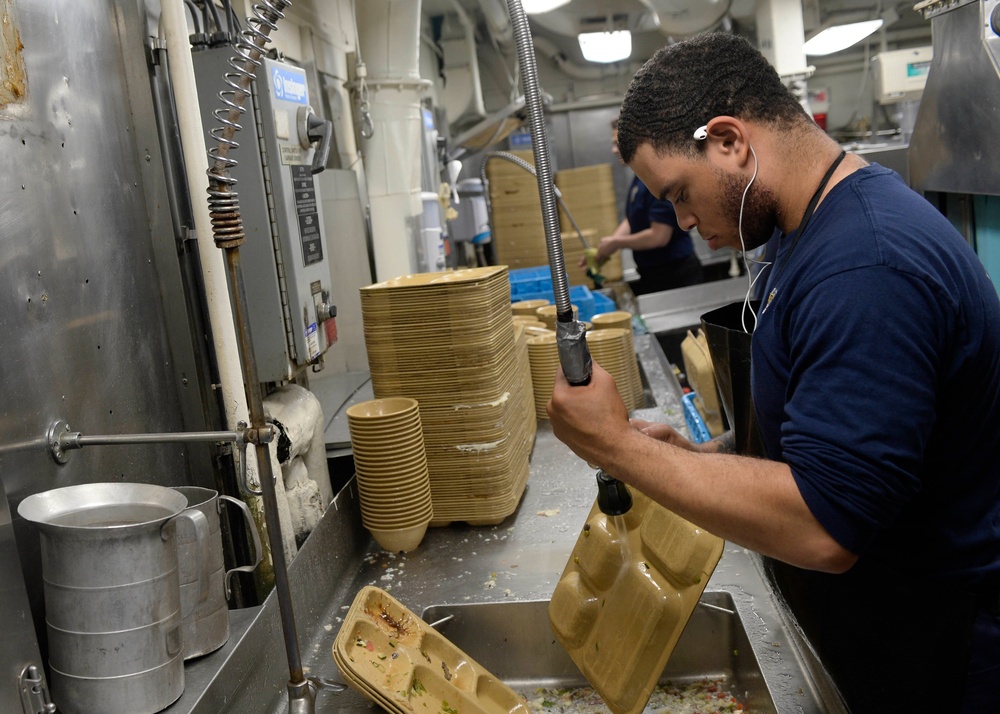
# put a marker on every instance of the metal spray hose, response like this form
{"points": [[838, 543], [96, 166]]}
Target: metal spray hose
{"points": [[574, 357], [570, 334]]}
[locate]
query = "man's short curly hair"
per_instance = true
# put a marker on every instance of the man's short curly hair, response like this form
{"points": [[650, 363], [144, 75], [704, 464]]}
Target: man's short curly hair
{"points": [[685, 85]]}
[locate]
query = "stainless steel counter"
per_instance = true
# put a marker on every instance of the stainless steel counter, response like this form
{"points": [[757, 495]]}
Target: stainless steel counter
{"points": [[520, 559]]}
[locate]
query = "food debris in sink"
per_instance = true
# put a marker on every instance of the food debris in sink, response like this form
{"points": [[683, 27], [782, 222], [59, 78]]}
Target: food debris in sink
{"points": [[707, 696]]}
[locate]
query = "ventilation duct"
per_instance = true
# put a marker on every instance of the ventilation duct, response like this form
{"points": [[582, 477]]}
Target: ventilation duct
{"points": [[389, 39], [462, 95], [688, 17]]}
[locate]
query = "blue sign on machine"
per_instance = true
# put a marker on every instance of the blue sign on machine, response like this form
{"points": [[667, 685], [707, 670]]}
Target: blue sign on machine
{"points": [[520, 139], [289, 84]]}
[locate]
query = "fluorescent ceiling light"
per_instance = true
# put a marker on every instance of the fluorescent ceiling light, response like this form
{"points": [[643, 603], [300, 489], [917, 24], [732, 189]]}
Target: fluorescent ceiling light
{"points": [[606, 46], [840, 37], [537, 7]]}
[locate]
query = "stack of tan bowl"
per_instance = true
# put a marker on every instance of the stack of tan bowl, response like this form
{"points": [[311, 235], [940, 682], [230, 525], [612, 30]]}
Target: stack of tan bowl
{"points": [[528, 321], [547, 314], [620, 319], [544, 357], [527, 308], [610, 349], [391, 467], [448, 341]]}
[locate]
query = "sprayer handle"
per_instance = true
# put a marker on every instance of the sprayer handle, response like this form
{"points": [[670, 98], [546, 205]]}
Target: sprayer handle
{"points": [[613, 497]]}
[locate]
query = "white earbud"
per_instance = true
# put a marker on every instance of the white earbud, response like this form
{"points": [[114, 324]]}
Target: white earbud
{"points": [[701, 133]]}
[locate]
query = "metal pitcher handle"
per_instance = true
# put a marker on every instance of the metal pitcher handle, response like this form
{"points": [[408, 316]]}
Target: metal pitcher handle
{"points": [[201, 531], [252, 527]]}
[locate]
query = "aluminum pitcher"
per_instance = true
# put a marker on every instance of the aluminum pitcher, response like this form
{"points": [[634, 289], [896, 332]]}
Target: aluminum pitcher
{"points": [[112, 594]]}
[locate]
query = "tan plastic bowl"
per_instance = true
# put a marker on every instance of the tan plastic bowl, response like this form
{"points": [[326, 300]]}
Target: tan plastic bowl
{"points": [[381, 408], [618, 318], [399, 540], [527, 307]]}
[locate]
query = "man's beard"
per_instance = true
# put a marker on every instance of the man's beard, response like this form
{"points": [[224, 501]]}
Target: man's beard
{"points": [[759, 209]]}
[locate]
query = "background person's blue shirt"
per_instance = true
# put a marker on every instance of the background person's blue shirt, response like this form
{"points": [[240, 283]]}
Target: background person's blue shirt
{"points": [[876, 378], [641, 210]]}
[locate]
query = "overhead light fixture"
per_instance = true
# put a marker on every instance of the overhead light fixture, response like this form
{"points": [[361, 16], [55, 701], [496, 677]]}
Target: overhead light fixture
{"points": [[606, 47], [840, 37], [537, 7]]}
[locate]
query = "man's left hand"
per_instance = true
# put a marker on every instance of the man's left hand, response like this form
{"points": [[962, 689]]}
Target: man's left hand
{"points": [[590, 419]]}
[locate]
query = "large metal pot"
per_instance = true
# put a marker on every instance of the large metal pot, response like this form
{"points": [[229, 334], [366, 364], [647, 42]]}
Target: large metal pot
{"points": [[729, 345], [112, 594], [206, 626]]}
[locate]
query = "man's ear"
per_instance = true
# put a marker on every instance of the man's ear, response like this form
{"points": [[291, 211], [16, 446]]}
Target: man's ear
{"points": [[729, 139]]}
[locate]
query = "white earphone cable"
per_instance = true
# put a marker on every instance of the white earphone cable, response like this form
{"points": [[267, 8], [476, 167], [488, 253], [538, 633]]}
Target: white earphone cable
{"points": [[750, 281], [700, 134]]}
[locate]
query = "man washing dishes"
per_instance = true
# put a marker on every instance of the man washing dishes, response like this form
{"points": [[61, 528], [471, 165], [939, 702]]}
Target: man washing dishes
{"points": [[663, 252], [876, 386]]}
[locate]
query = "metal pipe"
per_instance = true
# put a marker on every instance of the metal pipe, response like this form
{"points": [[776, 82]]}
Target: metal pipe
{"points": [[298, 686], [228, 233], [574, 357], [180, 70], [76, 440], [571, 337]]}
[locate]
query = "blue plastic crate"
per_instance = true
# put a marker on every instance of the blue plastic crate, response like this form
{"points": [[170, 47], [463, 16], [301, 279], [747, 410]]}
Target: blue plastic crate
{"points": [[528, 281], [536, 284], [581, 296], [696, 425], [602, 303]]}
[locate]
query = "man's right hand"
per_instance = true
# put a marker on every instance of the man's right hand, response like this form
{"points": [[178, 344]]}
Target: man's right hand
{"points": [[605, 249]]}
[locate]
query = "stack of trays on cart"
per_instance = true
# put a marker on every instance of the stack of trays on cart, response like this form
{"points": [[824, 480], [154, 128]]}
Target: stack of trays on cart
{"points": [[448, 341]]}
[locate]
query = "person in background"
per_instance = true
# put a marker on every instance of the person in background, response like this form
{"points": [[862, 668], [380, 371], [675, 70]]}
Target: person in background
{"points": [[875, 375], [663, 251]]}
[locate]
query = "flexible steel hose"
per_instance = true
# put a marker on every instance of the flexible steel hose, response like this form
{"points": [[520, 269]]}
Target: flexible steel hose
{"points": [[570, 335], [540, 148]]}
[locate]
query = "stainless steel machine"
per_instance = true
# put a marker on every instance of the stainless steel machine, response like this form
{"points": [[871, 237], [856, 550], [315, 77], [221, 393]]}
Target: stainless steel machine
{"points": [[953, 158]]}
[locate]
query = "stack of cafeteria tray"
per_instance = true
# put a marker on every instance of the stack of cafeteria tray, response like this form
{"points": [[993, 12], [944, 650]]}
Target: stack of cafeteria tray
{"points": [[448, 341], [392, 657], [518, 232], [589, 193]]}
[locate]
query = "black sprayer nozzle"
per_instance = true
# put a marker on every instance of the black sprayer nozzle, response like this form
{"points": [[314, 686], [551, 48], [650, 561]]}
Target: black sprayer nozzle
{"points": [[613, 497]]}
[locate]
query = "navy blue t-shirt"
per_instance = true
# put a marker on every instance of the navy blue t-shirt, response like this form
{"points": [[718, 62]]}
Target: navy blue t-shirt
{"points": [[876, 378], [641, 210]]}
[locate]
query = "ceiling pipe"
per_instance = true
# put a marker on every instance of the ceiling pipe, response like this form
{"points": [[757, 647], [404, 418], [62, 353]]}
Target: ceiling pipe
{"points": [[498, 22], [389, 41], [462, 94], [548, 49], [687, 17]]}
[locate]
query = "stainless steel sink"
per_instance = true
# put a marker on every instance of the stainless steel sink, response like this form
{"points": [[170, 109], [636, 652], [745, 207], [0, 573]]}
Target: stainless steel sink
{"points": [[514, 641]]}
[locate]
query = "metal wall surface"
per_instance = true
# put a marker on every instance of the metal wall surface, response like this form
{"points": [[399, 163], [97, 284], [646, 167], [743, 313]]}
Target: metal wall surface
{"points": [[582, 137], [82, 311], [952, 149]]}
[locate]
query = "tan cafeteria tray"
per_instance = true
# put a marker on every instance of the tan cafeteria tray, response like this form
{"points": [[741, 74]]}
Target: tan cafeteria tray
{"points": [[396, 659], [620, 619]]}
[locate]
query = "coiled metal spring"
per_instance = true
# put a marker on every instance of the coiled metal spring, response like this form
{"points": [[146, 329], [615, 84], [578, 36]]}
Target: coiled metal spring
{"points": [[223, 200]]}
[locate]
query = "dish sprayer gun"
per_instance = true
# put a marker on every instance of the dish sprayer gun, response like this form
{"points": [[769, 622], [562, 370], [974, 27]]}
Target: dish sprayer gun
{"points": [[613, 497], [574, 357]]}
